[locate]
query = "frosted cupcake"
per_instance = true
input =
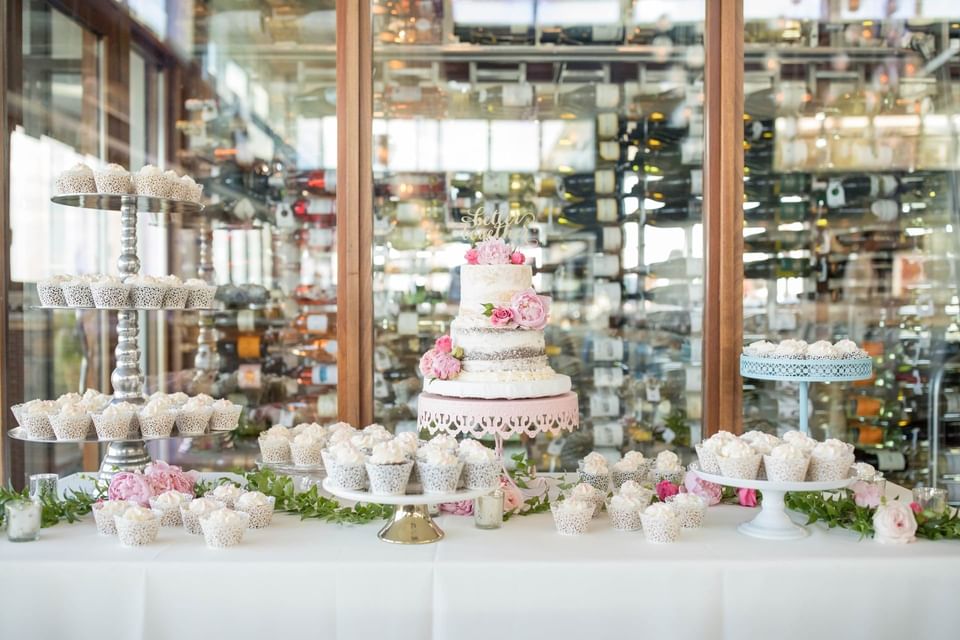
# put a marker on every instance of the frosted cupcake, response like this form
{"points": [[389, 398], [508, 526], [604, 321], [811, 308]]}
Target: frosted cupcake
{"points": [[786, 463], [760, 349], [227, 493], [762, 443], [791, 349], [156, 419], [660, 523], [168, 504], [113, 423], [258, 506], [367, 441], [77, 292], [737, 459], [800, 439], [192, 418], [572, 517], [846, 349], [305, 449], [226, 416], [667, 467], [624, 514], [137, 526], [864, 471], [588, 493], [830, 460], [77, 179], [409, 441], [224, 528], [593, 470], [69, 398], [189, 190], [708, 450], [309, 427], [690, 509], [200, 295], [112, 179], [93, 400], [110, 292], [173, 183], [821, 350], [35, 418], [146, 292], [274, 448], [72, 422], [439, 470], [192, 511], [633, 467], [482, 467], [349, 467], [175, 295], [150, 181], [104, 512], [388, 470], [50, 291], [340, 433]]}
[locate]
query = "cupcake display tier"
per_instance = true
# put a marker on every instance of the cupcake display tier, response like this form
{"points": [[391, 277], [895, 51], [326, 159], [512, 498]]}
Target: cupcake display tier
{"points": [[503, 418], [20, 433], [411, 522], [116, 202], [772, 523], [122, 308], [290, 469]]}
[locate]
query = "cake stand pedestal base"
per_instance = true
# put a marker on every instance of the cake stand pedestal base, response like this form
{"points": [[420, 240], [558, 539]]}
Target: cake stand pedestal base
{"points": [[772, 523], [124, 455], [411, 524]]}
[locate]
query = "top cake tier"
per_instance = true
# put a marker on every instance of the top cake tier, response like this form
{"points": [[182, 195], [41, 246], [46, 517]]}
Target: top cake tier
{"points": [[495, 284]]}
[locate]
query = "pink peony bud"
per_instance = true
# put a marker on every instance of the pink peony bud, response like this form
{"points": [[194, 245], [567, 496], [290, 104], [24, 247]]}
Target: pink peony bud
{"points": [[444, 344], [517, 258], [472, 256]]}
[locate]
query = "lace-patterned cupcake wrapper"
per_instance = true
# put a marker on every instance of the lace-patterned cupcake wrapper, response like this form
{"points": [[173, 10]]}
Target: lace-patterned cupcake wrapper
{"points": [[136, 533], [624, 519], [740, 468], [708, 460], [571, 523], [660, 530], [600, 481], [70, 428], [784, 470], [389, 479], [829, 470]]}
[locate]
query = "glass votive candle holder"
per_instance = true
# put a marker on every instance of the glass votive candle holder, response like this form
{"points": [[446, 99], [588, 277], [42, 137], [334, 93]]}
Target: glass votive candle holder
{"points": [[42, 484], [930, 499], [23, 520], [488, 510]]}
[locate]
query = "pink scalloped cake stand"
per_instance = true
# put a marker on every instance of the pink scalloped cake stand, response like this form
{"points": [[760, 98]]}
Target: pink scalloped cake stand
{"points": [[503, 418]]}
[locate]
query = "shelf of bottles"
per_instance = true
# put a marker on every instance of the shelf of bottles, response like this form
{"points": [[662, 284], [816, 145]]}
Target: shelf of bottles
{"points": [[596, 137], [850, 207]]}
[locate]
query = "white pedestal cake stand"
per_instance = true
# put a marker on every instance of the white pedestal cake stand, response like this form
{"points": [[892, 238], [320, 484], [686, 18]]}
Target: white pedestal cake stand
{"points": [[411, 522], [772, 523]]}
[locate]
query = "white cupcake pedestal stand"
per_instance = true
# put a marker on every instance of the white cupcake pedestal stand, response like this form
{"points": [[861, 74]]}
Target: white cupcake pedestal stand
{"points": [[772, 523], [804, 371], [411, 522]]}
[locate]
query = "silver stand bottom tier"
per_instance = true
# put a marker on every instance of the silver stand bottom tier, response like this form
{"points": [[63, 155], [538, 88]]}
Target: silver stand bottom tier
{"points": [[411, 524], [126, 455]]}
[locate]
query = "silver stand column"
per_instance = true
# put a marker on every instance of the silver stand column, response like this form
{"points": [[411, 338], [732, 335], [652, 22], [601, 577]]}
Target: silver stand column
{"points": [[207, 360]]}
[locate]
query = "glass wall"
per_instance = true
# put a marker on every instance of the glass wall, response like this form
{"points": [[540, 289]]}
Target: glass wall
{"points": [[850, 206]]}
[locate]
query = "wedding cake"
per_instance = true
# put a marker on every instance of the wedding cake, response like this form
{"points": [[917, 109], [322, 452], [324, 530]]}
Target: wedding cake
{"points": [[496, 346]]}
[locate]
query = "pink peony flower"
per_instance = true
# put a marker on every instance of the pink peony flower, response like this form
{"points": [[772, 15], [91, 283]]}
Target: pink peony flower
{"points": [[709, 491], [747, 497], [512, 498], [665, 489], [915, 507], [445, 366], [166, 477], [866, 494], [517, 258], [461, 508], [426, 363], [471, 256], [130, 486], [444, 344], [493, 251], [529, 309], [501, 317], [894, 523]]}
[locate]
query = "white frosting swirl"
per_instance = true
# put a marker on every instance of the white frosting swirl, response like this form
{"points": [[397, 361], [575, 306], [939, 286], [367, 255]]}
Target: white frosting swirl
{"points": [[831, 449], [762, 443], [169, 500], [714, 443], [595, 464], [668, 461], [225, 518], [409, 441], [760, 349], [446, 441], [821, 349], [737, 449], [227, 492], [204, 398], [193, 404], [624, 503], [799, 439], [347, 455], [150, 170], [791, 349], [139, 514], [40, 407], [388, 453], [308, 439], [477, 454], [68, 398], [223, 405], [112, 508], [627, 465], [277, 431], [155, 408], [864, 471], [788, 451], [574, 506], [73, 411], [688, 500], [660, 511], [847, 347], [203, 505], [252, 499], [439, 457], [584, 491]]}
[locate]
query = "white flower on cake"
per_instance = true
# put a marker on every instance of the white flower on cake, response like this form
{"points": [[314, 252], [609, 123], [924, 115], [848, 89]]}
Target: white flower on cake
{"points": [[831, 449], [800, 439], [761, 442], [737, 449], [201, 506], [387, 453], [660, 511], [251, 500], [438, 457], [169, 499], [894, 523], [789, 451], [864, 471], [668, 461], [227, 492], [139, 514], [595, 464]]}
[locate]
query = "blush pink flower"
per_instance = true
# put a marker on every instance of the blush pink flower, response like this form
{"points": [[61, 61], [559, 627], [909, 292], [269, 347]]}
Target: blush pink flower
{"points": [[709, 491], [866, 494], [529, 309], [915, 507], [166, 477], [512, 498], [894, 523], [665, 489], [747, 497], [493, 251], [445, 366], [426, 363], [517, 258], [444, 344], [130, 486], [471, 256], [461, 508], [501, 317]]}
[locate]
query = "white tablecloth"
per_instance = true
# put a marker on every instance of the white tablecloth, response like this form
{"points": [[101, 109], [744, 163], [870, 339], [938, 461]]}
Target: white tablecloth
{"points": [[314, 580]]}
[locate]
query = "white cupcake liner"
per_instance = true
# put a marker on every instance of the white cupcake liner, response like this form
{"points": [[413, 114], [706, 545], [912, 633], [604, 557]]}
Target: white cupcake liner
{"points": [[225, 419], [176, 298], [570, 523], [72, 428], [482, 476], [690, 515], [223, 536], [77, 294], [830, 470], [389, 479], [112, 182], [201, 297], [349, 476], [191, 520], [708, 460], [171, 517], [74, 182], [675, 477], [745, 468], [38, 426], [262, 515], [439, 478], [17, 411], [136, 533], [274, 451], [193, 423], [113, 296], [106, 526], [51, 295], [600, 481], [158, 426], [638, 476], [227, 503], [147, 296], [112, 427], [306, 455], [624, 519], [784, 470], [155, 186], [195, 193], [660, 530], [179, 191]]}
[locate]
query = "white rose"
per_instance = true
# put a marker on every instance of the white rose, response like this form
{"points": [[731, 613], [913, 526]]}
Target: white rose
{"points": [[893, 523]]}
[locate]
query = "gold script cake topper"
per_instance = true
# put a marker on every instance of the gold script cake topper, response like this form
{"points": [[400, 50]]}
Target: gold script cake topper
{"points": [[481, 226]]}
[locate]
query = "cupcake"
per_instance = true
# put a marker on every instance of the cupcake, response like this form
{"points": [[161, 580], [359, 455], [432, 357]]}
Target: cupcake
{"points": [[633, 467], [77, 293], [173, 183], [760, 349], [689, 508], [178, 399], [72, 422], [189, 190], [848, 349], [137, 526], [588, 493], [226, 416], [636, 492], [258, 506], [168, 504], [482, 467], [737, 459], [94, 401], [388, 469], [594, 471], [113, 423], [224, 528], [625, 507], [830, 460], [204, 398], [340, 433], [191, 512], [77, 179], [708, 449], [572, 517], [821, 350], [409, 441], [112, 179], [156, 419], [35, 418], [192, 418], [791, 349], [799, 439], [786, 463], [348, 468], [50, 291], [660, 523], [305, 449], [864, 471], [367, 441], [200, 295], [227, 493], [313, 428], [146, 292], [68, 399], [439, 470], [104, 512], [667, 467], [175, 296], [762, 443], [109, 292], [150, 181], [274, 448]]}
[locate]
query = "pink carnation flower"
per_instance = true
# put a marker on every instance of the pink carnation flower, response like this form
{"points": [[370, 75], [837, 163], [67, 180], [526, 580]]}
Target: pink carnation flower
{"points": [[665, 489], [493, 251], [866, 494], [461, 508], [471, 256], [709, 491], [501, 317], [130, 486], [445, 366], [529, 309], [426, 363], [444, 344], [517, 258]]}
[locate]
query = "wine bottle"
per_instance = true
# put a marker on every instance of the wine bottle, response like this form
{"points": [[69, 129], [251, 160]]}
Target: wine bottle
{"points": [[586, 185], [591, 212], [583, 34], [591, 97], [318, 375], [494, 34], [316, 324]]}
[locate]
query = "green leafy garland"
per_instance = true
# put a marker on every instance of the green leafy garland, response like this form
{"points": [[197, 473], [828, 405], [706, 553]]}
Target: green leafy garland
{"points": [[54, 510], [310, 504]]}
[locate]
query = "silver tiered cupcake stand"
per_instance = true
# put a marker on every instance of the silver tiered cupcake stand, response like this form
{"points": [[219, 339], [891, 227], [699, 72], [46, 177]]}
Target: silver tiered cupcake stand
{"points": [[127, 378], [803, 372]]}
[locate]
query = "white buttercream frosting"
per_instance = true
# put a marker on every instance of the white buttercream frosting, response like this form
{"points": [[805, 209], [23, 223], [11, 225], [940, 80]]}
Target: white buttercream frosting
{"points": [[227, 492], [169, 500], [437, 457], [203, 505], [791, 349], [737, 449], [761, 442], [388, 453], [688, 500], [595, 464], [714, 443], [225, 518], [476, 453], [864, 471], [584, 491], [788, 451], [307, 439], [278, 431], [821, 349], [799, 439], [831, 449], [139, 514], [625, 502], [113, 507], [252, 499], [668, 461], [409, 442], [575, 506], [347, 455], [660, 511], [760, 349]]}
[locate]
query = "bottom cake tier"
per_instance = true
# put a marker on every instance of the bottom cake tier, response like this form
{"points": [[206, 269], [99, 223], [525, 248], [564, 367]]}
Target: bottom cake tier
{"points": [[554, 385]]}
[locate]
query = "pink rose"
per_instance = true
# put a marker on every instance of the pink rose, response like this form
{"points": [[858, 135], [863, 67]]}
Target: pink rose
{"points": [[709, 491], [915, 507], [461, 508], [529, 309], [493, 251], [445, 366], [501, 317], [517, 258], [747, 497], [866, 494], [512, 498], [665, 489], [130, 486], [444, 344], [426, 363], [471, 256], [894, 523]]}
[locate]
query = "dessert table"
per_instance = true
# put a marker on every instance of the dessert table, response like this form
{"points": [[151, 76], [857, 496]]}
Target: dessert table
{"points": [[316, 580]]}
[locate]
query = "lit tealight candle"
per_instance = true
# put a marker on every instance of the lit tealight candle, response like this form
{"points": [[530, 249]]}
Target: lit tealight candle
{"points": [[23, 520], [488, 510]]}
